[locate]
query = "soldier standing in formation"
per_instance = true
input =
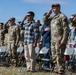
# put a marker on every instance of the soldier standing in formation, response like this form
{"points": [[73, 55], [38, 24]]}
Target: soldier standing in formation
{"points": [[13, 40], [2, 34], [59, 37], [21, 41], [39, 42]]}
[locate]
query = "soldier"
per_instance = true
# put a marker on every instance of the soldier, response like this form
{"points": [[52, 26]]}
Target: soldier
{"points": [[59, 37], [39, 42], [2, 34], [13, 40], [21, 41], [6, 39], [6, 26]]}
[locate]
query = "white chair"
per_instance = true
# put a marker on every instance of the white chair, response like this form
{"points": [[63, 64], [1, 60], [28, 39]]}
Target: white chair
{"points": [[20, 49], [74, 51], [41, 59], [37, 49], [69, 51], [44, 50], [3, 48]]}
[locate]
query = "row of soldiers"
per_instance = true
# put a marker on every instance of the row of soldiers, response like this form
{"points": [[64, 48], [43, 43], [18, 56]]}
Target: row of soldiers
{"points": [[12, 36]]}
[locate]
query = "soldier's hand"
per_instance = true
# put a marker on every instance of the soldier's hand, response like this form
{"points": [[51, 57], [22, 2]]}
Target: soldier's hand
{"points": [[47, 29], [63, 42], [50, 11]]}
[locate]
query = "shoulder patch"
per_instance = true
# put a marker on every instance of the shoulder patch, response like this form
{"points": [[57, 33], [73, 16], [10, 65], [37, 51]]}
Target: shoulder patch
{"points": [[65, 19]]}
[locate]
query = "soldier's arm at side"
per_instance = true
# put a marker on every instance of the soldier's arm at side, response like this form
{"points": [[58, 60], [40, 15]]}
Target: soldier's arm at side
{"points": [[65, 30], [18, 35]]}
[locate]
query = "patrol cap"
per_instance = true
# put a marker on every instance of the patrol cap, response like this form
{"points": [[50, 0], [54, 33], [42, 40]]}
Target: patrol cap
{"points": [[12, 18], [55, 5]]}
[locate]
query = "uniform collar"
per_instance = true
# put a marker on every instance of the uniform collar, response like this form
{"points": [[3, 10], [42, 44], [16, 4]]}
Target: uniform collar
{"points": [[55, 16]]}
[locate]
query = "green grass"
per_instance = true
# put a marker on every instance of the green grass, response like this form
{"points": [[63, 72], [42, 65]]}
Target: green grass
{"points": [[15, 71]]}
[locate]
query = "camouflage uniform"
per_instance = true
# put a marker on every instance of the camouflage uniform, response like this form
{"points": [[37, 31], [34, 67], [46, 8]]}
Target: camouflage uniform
{"points": [[2, 34], [39, 42], [46, 20], [59, 32], [6, 39], [13, 39], [21, 41]]}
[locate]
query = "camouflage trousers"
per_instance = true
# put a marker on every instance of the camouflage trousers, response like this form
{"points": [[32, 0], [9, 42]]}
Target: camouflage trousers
{"points": [[12, 52], [39, 45], [1, 43], [58, 55]]}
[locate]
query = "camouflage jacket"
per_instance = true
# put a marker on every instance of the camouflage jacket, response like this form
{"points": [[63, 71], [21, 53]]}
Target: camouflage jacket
{"points": [[14, 33], [59, 27], [2, 34]]}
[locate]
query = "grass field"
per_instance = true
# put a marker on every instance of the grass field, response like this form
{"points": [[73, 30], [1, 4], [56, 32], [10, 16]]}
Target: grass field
{"points": [[15, 71]]}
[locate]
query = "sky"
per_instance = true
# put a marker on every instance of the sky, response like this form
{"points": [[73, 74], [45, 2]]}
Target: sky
{"points": [[19, 8]]}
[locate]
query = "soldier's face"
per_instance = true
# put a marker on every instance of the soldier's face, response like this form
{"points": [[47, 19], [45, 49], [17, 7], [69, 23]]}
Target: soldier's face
{"points": [[11, 22], [56, 10]]}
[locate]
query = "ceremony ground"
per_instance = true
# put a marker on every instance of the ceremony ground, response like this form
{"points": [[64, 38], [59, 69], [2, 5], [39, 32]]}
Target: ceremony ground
{"points": [[22, 71]]}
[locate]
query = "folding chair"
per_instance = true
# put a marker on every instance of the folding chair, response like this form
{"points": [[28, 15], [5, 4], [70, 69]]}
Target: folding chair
{"points": [[21, 58], [40, 58], [3, 53], [37, 49], [20, 49], [70, 63]]}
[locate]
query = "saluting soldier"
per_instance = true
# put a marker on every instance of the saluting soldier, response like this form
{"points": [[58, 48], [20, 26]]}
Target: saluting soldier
{"points": [[13, 40], [59, 37], [39, 41]]}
